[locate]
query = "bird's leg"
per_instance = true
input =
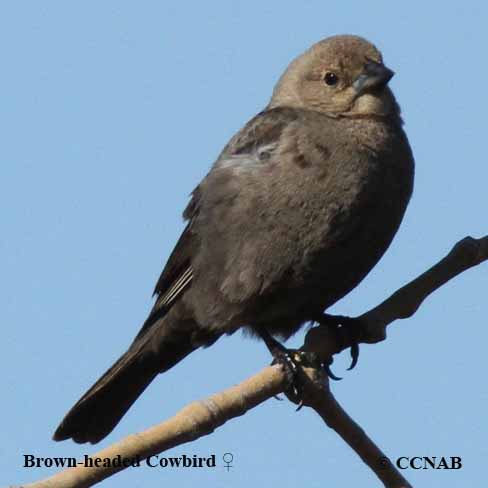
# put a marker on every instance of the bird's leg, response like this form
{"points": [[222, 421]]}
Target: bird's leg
{"points": [[348, 333], [285, 357]]}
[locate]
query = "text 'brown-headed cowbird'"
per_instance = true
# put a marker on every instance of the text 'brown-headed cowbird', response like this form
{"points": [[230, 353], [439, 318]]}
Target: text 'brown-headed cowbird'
{"points": [[300, 205]]}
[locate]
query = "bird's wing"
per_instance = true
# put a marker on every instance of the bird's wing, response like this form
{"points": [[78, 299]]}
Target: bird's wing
{"points": [[177, 274], [209, 242], [254, 143]]}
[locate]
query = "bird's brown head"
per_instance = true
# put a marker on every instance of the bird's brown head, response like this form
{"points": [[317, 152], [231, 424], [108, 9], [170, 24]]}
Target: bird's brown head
{"points": [[341, 75]]}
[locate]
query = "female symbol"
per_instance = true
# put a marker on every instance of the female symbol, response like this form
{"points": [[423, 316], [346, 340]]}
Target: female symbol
{"points": [[228, 458]]}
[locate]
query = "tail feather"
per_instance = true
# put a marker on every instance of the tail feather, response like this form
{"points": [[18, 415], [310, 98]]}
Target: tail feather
{"points": [[100, 409]]}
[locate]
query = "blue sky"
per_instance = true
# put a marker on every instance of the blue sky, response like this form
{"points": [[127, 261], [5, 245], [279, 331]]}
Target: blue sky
{"points": [[110, 113]]}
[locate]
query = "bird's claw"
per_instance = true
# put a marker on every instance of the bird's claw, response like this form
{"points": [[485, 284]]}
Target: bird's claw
{"points": [[285, 358], [347, 331], [288, 358], [329, 372], [354, 355]]}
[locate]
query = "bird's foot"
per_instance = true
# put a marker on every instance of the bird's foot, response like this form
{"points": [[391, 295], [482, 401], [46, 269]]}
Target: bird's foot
{"points": [[288, 361], [348, 334], [291, 361]]}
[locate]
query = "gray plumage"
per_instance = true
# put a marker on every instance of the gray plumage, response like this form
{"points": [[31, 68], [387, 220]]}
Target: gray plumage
{"points": [[298, 208]]}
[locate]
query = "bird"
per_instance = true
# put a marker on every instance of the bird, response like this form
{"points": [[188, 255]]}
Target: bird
{"points": [[297, 209]]}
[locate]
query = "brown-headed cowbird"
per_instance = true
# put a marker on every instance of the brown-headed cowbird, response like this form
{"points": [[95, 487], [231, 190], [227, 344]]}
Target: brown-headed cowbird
{"points": [[300, 205]]}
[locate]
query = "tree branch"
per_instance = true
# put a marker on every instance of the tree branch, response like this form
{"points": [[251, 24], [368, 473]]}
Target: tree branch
{"points": [[320, 398], [203, 417], [198, 419], [402, 304]]}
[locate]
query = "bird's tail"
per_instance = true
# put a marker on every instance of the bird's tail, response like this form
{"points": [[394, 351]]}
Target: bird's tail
{"points": [[100, 409]]}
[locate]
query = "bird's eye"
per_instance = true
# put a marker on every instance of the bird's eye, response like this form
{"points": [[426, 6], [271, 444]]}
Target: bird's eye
{"points": [[330, 78]]}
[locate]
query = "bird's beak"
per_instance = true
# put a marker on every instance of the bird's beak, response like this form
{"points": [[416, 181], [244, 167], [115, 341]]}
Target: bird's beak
{"points": [[374, 76]]}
